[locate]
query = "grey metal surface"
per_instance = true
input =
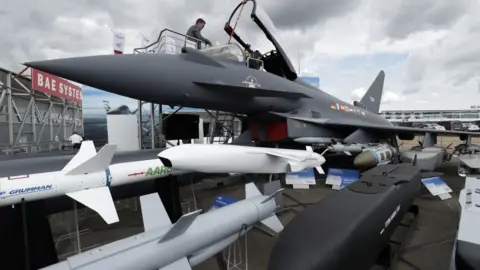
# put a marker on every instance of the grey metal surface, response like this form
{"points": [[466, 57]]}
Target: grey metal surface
{"points": [[48, 162]]}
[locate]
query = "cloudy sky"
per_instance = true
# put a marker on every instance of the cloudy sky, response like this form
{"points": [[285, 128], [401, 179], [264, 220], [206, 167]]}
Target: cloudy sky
{"points": [[428, 48]]}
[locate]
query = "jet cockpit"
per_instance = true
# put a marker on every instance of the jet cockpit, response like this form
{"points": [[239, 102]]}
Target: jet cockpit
{"points": [[274, 61]]}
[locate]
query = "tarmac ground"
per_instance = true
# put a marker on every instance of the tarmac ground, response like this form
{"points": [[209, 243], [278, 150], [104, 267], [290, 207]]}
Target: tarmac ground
{"points": [[429, 248]]}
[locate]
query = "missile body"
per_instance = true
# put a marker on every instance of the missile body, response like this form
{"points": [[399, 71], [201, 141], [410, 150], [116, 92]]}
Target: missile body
{"points": [[314, 140], [348, 229], [86, 179], [374, 156], [352, 148], [215, 158], [191, 240]]}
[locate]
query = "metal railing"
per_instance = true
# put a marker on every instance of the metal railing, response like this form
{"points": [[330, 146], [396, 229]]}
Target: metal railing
{"points": [[165, 35], [172, 42]]}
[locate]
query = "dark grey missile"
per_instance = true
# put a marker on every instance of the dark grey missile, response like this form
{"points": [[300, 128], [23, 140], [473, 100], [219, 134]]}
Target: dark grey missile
{"points": [[348, 229]]}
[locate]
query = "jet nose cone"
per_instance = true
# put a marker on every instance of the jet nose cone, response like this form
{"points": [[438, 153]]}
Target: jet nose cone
{"points": [[119, 74]]}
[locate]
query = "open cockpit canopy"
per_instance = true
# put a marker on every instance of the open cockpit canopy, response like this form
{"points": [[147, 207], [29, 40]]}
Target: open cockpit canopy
{"points": [[241, 28]]}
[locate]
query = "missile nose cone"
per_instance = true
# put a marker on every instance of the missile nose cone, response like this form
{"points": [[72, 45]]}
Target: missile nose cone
{"points": [[365, 159]]}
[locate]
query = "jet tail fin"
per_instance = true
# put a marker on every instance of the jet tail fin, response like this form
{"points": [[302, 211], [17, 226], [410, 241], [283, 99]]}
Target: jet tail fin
{"points": [[372, 98], [272, 222]]}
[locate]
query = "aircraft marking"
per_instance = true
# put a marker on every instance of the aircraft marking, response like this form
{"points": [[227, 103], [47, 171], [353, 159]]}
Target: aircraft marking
{"points": [[345, 108], [251, 82]]}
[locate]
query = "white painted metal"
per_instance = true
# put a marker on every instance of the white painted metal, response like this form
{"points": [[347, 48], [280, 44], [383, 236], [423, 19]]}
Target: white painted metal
{"points": [[218, 158], [86, 178], [122, 131]]}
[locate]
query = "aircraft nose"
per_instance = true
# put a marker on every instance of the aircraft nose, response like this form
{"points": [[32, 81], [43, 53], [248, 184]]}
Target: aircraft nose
{"points": [[119, 74]]}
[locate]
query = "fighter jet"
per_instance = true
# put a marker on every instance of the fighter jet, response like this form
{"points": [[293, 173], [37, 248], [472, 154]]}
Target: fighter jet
{"points": [[236, 77]]}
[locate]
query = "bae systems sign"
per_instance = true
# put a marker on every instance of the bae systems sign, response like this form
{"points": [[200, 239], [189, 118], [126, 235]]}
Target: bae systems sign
{"points": [[55, 86]]}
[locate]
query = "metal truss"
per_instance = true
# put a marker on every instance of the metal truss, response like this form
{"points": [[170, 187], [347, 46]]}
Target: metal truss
{"points": [[222, 125], [32, 120]]}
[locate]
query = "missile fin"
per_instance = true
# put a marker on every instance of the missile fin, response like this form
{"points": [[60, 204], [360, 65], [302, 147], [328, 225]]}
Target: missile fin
{"points": [[295, 167], [99, 200], [320, 170], [97, 163], [87, 151], [180, 226], [272, 196], [273, 223], [251, 190], [154, 214], [181, 264], [277, 154]]}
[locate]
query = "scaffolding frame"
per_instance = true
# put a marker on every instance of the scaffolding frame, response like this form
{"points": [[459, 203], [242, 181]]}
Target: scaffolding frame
{"points": [[33, 120], [171, 42]]}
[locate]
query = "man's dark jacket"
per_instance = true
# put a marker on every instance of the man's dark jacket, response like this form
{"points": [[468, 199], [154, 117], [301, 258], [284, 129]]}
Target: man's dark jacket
{"points": [[195, 32]]}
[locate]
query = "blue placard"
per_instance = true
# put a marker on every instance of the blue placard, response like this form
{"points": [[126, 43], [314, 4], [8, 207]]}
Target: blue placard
{"points": [[306, 177], [436, 185], [221, 201], [343, 177], [303, 174]]}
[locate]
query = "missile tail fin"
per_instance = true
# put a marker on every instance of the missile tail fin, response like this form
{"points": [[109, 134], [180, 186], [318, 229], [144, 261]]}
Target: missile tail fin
{"points": [[96, 163], [180, 226], [87, 151], [99, 200], [272, 196], [154, 214], [273, 223], [251, 190]]}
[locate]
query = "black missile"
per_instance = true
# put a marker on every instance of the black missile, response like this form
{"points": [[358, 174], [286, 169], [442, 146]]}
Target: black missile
{"points": [[348, 229]]}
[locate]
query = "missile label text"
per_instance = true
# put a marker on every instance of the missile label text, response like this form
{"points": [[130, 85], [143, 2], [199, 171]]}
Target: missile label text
{"points": [[30, 189], [159, 170], [392, 216]]}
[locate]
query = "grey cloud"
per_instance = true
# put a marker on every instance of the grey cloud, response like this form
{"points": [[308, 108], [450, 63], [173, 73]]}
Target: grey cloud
{"points": [[415, 68], [290, 14], [404, 17], [411, 90]]}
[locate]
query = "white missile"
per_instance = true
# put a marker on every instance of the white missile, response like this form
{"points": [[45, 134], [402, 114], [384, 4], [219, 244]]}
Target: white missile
{"points": [[224, 158], [191, 240], [86, 179]]}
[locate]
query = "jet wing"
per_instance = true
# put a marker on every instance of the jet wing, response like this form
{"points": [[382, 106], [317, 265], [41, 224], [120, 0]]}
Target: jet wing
{"points": [[383, 128], [228, 89]]}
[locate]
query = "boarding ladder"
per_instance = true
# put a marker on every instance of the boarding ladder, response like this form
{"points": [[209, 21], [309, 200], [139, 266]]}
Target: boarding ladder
{"points": [[223, 126]]}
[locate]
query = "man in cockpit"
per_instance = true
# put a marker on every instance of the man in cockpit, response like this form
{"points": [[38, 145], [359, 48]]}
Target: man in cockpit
{"points": [[194, 33]]}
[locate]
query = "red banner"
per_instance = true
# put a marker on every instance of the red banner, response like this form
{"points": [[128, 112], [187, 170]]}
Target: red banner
{"points": [[55, 86]]}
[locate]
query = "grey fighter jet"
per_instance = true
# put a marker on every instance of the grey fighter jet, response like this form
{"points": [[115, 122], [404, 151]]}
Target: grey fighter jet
{"points": [[279, 106]]}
